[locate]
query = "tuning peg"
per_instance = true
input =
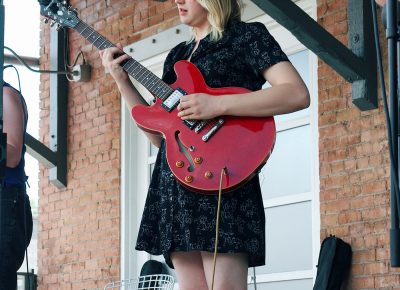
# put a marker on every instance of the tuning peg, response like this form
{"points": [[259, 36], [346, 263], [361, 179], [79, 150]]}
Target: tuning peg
{"points": [[45, 20], [52, 23], [58, 28]]}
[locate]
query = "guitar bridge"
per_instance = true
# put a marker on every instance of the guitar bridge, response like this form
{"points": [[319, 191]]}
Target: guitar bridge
{"points": [[213, 130]]}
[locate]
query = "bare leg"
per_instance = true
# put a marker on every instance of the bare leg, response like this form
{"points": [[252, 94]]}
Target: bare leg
{"points": [[230, 270], [189, 270]]}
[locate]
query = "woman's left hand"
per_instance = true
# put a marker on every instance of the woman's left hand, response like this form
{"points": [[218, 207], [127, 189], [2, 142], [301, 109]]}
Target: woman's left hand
{"points": [[199, 107]]}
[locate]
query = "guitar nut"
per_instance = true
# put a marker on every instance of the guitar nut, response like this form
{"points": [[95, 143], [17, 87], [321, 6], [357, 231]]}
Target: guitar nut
{"points": [[188, 179], [179, 164], [198, 160], [208, 175]]}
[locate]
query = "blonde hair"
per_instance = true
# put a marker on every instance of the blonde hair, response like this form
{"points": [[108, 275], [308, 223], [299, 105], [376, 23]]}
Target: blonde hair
{"points": [[219, 14]]}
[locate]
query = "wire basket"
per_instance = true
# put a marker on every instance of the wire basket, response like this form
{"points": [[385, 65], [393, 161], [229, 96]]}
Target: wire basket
{"points": [[148, 282]]}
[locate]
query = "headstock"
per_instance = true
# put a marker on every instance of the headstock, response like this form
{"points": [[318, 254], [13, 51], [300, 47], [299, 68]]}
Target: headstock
{"points": [[59, 12]]}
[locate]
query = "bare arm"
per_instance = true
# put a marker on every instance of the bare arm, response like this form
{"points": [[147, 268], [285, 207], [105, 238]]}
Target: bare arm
{"points": [[13, 121], [128, 91], [287, 93]]}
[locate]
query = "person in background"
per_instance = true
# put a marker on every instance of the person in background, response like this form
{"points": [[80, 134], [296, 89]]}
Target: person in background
{"points": [[15, 210], [382, 2], [177, 222]]}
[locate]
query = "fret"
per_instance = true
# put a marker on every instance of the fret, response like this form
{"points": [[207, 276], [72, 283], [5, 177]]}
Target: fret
{"points": [[83, 31], [150, 83], [146, 81], [99, 40], [101, 45], [153, 82], [136, 70], [159, 92], [130, 63], [134, 66], [165, 91], [140, 77], [132, 70], [142, 72], [93, 37]]}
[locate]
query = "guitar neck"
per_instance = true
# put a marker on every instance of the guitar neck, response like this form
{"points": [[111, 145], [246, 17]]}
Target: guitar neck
{"points": [[149, 80]]}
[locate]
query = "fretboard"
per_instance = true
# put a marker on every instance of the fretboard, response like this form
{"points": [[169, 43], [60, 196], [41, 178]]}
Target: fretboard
{"points": [[149, 80]]}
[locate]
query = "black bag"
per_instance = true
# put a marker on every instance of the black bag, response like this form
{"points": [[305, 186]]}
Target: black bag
{"points": [[333, 264]]}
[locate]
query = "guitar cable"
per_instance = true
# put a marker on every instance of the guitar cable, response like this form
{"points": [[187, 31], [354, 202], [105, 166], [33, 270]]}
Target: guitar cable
{"points": [[223, 172]]}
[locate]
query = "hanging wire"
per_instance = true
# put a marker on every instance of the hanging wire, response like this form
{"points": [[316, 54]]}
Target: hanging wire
{"points": [[19, 80], [37, 70], [71, 66]]}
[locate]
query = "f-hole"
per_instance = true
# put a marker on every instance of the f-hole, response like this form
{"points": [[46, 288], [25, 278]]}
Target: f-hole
{"points": [[184, 150]]}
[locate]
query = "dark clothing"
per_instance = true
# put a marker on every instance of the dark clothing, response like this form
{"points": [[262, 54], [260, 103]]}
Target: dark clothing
{"points": [[15, 235], [176, 219], [15, 218]]}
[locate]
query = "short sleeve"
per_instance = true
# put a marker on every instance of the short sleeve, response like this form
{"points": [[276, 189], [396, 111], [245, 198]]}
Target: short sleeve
{"points": [[262, 50]]}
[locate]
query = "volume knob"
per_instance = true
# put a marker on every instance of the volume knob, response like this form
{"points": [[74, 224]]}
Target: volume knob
{"points": [[208, 175], [188, 179], [198, 160], [179, 164]]}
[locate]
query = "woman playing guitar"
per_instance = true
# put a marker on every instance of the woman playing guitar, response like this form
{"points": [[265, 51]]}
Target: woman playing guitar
{"points": [[180, 223]]}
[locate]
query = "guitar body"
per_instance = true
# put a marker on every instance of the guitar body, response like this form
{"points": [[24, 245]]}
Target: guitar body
{"points": [[240, 146]]}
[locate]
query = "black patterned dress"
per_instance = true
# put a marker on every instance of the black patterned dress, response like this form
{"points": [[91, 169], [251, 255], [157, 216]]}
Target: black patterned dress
{"points": [[176, 219]]}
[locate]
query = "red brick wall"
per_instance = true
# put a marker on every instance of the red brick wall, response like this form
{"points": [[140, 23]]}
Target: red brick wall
{"points": [[79, 227], [354, 167]]}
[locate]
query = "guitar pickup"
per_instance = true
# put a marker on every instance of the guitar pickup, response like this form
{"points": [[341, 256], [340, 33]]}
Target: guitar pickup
{"points": [[173, 100], [213, 130]]}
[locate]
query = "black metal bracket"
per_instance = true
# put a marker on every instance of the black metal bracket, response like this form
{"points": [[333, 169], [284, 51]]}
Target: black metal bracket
{"points": [[55, 156], [59, 107], [357, 65]]}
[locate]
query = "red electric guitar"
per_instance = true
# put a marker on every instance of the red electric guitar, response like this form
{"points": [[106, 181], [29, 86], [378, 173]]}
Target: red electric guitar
{"points": [[197, 150]]}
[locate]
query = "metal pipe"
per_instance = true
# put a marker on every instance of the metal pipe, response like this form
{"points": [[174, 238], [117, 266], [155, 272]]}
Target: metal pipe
{"points": [[31, 61], [392, 38]]}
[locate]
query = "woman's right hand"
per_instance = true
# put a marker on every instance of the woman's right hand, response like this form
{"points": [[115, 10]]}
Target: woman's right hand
{"points": [[111, 60]]}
